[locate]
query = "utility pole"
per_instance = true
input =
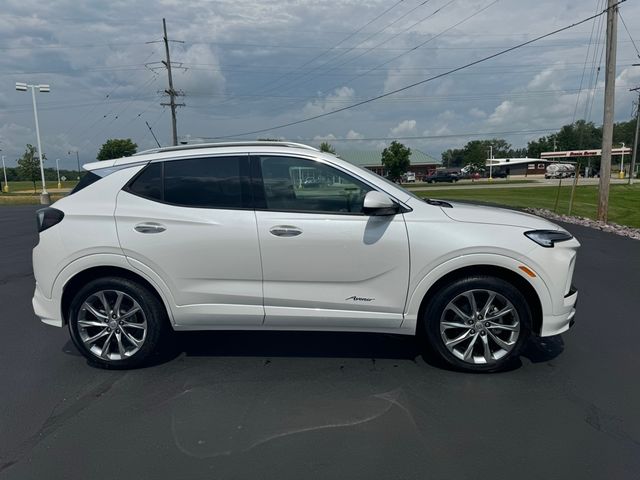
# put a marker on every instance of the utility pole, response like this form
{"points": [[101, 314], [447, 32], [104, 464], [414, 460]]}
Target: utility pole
{"points": [[609, 99], [635, 141], [170, 91]]}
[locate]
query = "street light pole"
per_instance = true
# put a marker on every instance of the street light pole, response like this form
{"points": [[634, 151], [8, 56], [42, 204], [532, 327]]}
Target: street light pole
{"points": [[632, 168], [58, 170], [45, 198], [5, 188], [78, 160]]}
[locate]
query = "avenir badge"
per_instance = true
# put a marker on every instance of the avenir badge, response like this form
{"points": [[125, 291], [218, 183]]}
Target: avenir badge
{"points": [[360, 299]]}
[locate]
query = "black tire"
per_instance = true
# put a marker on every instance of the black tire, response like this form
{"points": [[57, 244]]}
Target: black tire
{"points": [[434, 311], [155, 315]]}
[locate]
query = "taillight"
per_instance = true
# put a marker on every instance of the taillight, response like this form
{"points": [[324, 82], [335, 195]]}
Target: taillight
{"points": [[48, 217]]}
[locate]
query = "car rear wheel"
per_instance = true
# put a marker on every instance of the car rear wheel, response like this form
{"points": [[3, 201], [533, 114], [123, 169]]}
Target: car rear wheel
{"points": [[117, 323], [477, 323]]}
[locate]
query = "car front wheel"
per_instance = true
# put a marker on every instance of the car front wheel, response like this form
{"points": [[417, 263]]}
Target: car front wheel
{"points": [[477, 323], [117, 323]]}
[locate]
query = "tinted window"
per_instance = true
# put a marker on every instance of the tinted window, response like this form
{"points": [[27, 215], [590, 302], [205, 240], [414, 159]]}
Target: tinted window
{"points": [[297, 184], [148, 184], [206, 182], [86, 180]]}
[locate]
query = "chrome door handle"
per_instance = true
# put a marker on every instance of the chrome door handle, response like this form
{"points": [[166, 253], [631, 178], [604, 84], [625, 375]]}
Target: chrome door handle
{"points": [[285, 231], [149, 228]]}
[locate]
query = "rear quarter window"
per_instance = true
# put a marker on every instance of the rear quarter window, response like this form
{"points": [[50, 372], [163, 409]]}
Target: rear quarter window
{"points": [[86, 180], [148, 183]]}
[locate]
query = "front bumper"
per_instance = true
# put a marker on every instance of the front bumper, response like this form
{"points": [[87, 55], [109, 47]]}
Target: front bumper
{"points": [[46, 308], [557, 324]]}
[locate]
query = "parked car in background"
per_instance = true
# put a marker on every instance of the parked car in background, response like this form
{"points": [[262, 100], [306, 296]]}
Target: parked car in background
{"points": [[226, 237], [497, 173], [560, 170], [442, 176], [409, 177]]}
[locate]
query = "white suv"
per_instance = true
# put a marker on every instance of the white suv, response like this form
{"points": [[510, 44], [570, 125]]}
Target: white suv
{"points": [[279, 236]]}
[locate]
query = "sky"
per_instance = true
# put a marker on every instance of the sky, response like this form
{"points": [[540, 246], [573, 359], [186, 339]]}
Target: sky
{"points": [[252, 65]]}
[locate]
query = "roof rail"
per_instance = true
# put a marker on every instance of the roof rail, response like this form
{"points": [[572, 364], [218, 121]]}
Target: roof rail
{"points": [[255, 143]]}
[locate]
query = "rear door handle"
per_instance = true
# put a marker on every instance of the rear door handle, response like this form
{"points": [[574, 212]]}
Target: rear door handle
{"points": [[149, 228], [285, 231]]}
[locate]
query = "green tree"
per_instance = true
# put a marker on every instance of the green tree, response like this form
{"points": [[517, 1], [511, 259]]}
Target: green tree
{"points": [[327, 147], [29, 165], [395, 158], [453, 157], [116, 148], [624, 132]]}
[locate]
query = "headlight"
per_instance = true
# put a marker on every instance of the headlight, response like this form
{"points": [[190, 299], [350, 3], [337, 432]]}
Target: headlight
{"points": [[548, 238]]}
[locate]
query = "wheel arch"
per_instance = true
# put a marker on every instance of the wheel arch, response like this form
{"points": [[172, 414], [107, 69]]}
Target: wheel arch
{"points": [[74, 283], [528, 291]]}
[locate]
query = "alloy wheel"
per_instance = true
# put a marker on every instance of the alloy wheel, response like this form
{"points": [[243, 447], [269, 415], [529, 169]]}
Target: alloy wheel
{"points": [[112, 325], [479, 326]]}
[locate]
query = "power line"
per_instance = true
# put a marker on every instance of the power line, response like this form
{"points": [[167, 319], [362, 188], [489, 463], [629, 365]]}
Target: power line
{"points": [[375, 47], [351, 35], [596, 67], [106, 98], [586, 59], [629, 33], [407, 87], [429, 137], [420, 45], [404, 15]]}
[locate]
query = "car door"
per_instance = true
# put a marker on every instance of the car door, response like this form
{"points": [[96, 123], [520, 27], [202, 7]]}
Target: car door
{"points": [[190, 222], [325, 263]]}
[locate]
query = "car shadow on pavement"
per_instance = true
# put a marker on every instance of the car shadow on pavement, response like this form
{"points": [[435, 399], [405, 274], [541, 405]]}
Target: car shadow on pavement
{"points": [[322, 345], [297, 344]]}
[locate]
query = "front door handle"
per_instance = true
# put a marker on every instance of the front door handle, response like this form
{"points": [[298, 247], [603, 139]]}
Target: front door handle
{"points": [[285, 231], [149, 227]]}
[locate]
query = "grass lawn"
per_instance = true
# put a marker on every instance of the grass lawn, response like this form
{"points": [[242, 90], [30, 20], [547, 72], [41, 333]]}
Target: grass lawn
{"points": [[624, 200], [484, 181], [22, 199], [27, 187]]}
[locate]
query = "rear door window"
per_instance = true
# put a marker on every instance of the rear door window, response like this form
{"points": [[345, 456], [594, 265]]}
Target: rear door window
{"points": [[210, 182]]}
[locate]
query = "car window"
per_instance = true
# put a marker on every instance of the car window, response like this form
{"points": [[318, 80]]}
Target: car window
{"points": [[148, 183], [302, 185], [205, 182], [213, 182], [87, 179]]}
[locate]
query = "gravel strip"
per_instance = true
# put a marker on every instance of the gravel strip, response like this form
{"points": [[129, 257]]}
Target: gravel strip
{"points": [[623, 230]]}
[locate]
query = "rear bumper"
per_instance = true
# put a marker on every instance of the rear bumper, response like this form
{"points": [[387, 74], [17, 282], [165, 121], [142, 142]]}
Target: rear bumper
{"points": [[46, 308], [559, 323]]}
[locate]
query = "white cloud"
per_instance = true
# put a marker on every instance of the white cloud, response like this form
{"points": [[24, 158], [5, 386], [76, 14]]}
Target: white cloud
{"points": [[324, 138], [338, 98], [204, 76], [260, 54], [406, 127], [477, 113]]}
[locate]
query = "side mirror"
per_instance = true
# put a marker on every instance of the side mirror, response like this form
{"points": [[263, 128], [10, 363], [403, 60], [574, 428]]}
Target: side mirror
{"points": [[377, 203]]}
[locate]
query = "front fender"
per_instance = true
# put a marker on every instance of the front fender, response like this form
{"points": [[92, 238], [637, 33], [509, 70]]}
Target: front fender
{"points": [[464, 261]]}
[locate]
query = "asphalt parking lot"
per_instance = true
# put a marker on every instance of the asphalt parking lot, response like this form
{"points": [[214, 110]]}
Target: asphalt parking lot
{"points": [[315, 405]]}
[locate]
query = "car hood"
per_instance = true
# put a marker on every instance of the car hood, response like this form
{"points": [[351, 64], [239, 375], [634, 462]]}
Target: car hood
{"points": [[464, 212]]}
